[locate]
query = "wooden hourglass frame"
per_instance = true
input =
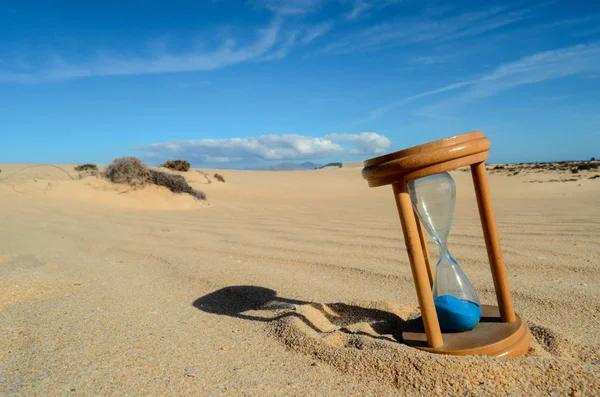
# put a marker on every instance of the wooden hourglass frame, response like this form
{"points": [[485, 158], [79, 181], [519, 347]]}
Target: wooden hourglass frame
{"points": [[500, 331]]}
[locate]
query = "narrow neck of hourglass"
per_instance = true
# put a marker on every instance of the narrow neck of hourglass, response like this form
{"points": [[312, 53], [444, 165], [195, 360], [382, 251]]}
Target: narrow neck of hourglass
{"points": [[442, 246]]}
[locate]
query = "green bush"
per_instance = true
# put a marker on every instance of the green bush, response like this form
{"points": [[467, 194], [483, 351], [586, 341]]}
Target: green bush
{"points": [[177, 165]]}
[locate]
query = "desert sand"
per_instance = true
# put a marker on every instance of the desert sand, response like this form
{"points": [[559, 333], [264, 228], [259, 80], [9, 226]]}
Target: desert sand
{"points": [[281, 283]]}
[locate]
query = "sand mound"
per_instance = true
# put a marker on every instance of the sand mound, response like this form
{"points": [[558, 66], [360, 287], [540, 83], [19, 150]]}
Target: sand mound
{"points": [[98, 191], [363, 340], [131, 186]]}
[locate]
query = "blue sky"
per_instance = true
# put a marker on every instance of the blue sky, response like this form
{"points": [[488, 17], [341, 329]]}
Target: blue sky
{"points": [[229, 84]]}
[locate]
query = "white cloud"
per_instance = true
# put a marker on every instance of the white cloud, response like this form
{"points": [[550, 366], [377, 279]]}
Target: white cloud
{"points": [[268, 147], [535, 68], [367, 142]]}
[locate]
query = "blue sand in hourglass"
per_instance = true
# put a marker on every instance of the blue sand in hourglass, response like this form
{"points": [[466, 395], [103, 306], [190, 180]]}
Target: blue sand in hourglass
{"points": [[456, 315]]}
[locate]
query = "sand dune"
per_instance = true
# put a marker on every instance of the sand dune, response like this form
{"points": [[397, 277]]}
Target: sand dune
{"points": [[281, 283]]}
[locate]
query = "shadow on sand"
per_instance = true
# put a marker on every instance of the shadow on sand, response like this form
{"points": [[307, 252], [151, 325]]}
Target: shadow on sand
{"points": [[236, 301]]}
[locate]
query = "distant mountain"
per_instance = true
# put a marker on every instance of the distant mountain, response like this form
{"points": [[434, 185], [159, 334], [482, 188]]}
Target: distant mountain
{"points": [[307, 165]]}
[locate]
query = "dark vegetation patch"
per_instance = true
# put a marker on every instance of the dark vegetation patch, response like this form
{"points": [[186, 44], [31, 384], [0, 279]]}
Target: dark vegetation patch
{"points": [[219, 177], [177, 165], [128, 171], [339, 165], [86, 167], [175, 183], [133, 172], [579, 169], [556, 180]]}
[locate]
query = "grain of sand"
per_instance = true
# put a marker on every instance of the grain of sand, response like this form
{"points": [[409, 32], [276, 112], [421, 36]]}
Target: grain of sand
{"points": [[282, 283]]}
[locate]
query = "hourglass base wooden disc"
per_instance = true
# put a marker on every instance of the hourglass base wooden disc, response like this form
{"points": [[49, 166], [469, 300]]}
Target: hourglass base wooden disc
{"points": [[491, 337]]}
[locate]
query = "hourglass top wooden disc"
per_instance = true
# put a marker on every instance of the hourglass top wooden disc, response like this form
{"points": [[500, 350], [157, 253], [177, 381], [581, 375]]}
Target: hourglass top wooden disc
{"points": [[428, 159]]}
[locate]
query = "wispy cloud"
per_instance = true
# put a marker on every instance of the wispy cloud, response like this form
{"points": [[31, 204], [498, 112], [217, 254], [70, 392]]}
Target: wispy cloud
{"points": [[536, 68], [59, 68], [428, 60], [554, 98], [290, 7], [271, 43], [316, 31], [593, 31], [190, 84], [384, 109], [360, 8], [282, 50], [19, 78], [542, 66], [412, 30], [268, 147], [354, 8]]}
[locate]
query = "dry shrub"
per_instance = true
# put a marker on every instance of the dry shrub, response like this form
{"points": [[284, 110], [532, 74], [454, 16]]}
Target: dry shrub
{"points": [[128, 170], [219, 177], [133, 172], [86, 167], [175, 183], [177, 165]]}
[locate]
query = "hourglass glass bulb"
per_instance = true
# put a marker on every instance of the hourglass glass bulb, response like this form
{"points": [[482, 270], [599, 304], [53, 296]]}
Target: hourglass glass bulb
{"points": [[456, 302], [433, 199]]}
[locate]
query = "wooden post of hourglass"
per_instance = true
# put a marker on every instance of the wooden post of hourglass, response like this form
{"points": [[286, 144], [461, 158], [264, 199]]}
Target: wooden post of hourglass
{"points": [[413, 241], [492, 242], [500, 332], [423, 238]]}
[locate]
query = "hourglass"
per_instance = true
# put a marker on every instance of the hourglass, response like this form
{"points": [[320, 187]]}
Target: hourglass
{"points": [[456, 302], [452, 321]]}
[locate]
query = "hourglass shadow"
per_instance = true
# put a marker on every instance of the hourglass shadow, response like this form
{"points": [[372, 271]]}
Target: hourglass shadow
{"points": [[236, 301]]}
